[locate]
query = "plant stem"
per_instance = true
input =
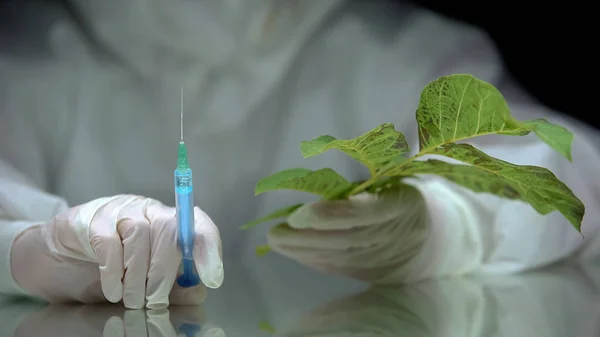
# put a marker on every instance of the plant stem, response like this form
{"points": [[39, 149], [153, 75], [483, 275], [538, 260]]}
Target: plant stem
{"points": [[374, 177]]}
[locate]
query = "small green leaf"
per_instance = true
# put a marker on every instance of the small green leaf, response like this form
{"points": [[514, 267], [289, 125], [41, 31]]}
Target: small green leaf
{"points": [[324, 182], [458, 107], [534, 185], [262, 250], [558, 137], [280, 213], [374, 149]]}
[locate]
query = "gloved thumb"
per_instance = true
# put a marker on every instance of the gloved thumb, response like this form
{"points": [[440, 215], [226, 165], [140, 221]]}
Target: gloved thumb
{"points": [[207, 250]]}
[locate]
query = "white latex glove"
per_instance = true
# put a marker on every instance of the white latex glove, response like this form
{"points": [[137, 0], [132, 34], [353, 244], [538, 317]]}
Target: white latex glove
{"points": [[370, 237], [115, 248], [115, 321]]}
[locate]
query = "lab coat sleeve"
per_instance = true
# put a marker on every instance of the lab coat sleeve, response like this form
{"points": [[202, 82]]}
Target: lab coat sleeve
{"points": [[22, 205], [482, 233], [24, 172]]}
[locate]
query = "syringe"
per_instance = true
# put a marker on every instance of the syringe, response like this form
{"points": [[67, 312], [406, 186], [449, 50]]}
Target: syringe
{"points": [[184, 201]]}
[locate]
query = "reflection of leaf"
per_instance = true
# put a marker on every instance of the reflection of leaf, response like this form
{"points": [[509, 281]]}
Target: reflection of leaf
{"points": [[374, 149], [280, 213], [266, 327], [262, 250], [534, 185], [325, 182]]}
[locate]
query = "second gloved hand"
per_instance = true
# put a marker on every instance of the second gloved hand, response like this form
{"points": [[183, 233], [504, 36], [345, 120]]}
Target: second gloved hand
{"points": [[121, 248], [370, 237]]}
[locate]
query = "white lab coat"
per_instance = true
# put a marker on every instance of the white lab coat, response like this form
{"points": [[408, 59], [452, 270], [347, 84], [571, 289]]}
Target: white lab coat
{"points": [[73, 128]]}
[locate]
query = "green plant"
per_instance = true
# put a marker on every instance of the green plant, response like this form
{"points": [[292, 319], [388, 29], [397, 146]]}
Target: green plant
{"points": [[451, 109]]}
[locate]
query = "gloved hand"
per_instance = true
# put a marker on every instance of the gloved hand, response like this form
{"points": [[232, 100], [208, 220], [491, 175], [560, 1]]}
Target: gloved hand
{"points": [[370, 237], [116, 248]]}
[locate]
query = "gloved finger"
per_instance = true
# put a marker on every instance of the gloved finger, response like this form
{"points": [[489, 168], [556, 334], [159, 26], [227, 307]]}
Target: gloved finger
{"points": [[397, 228], [367, 265], [309, 246], [367, 253], [164, 254], [400, 233], [359, 210], [283, 235], [340, 252], [134, 229], [108, 248], [207, 250], [187, 296]]}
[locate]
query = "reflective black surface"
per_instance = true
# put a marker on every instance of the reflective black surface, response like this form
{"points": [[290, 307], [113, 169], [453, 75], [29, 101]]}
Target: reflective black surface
{"points": [[563, 301]]}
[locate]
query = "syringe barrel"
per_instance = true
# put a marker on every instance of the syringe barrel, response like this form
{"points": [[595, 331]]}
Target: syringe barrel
{"points": [[184, 201]]}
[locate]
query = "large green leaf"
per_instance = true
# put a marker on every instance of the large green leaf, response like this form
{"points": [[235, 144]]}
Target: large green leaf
{"points": [[375, 149], [458, 107], [534, 185], [324, 182], [280, 213]]}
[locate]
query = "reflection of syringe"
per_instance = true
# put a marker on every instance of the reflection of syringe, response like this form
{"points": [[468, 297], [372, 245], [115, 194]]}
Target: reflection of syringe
{"points": [[184, 201]]}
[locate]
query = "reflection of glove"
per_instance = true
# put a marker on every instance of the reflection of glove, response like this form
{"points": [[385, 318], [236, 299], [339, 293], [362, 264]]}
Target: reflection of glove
{"points": [[114, 321], [557, 303], [369, 237], [133, 240], [376, 312]]}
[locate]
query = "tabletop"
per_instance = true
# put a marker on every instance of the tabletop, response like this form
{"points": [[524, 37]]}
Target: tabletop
{"points": [[562, 301]]}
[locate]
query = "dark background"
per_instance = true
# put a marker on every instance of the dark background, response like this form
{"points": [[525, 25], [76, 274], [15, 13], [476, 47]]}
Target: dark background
{"points": [[550, 48]]}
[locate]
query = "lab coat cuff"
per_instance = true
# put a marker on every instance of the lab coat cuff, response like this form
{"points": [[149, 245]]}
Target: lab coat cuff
{"points": [[453, 245], [9, 230]]}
